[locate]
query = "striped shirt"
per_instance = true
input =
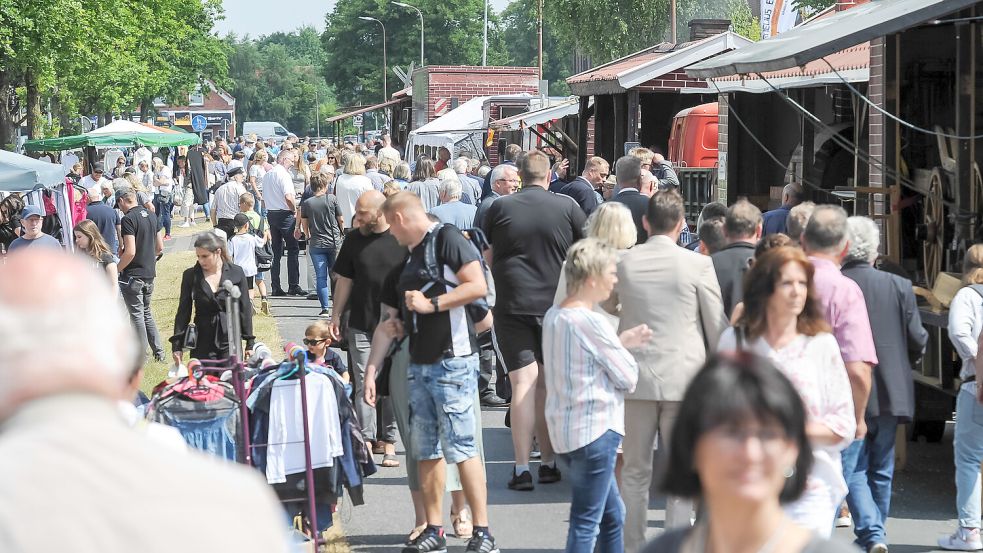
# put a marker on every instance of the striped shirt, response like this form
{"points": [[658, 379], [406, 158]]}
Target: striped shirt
{"points": [[587, 372]]}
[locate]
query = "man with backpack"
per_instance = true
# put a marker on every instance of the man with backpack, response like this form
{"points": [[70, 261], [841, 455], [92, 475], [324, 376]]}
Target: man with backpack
{"points": [[225, 202], [439, 315]]}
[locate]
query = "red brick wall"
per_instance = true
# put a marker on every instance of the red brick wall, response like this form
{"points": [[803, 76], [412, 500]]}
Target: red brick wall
{"points": [[847, 4], [466, 82], [672, 81]]}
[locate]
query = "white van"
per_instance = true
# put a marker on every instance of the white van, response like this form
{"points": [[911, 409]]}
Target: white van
{"points": [[270, 130]]}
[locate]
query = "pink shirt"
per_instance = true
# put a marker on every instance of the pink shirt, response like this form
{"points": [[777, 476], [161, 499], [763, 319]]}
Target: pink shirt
{"points": [[843, 304]]}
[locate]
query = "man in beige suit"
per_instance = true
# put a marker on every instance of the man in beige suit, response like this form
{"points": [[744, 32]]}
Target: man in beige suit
{"points": [[675, 292]]}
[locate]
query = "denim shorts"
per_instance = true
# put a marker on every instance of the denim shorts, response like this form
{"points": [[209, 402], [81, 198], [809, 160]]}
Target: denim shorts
{"points": [[441, 398]]}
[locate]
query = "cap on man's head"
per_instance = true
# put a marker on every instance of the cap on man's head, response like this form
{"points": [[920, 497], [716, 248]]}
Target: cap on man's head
{"points": [[234, 171], [31, 211], [97, 167]]}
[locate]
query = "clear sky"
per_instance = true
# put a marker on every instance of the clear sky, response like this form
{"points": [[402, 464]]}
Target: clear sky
{"points": [[262, 17]]}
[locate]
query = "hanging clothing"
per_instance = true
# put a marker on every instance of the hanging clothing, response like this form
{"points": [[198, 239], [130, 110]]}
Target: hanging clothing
{"points": [[199, 176], [286, 456]]}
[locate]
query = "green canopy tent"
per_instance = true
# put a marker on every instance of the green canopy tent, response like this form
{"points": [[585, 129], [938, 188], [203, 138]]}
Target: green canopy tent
{"points": [[122, 139]]}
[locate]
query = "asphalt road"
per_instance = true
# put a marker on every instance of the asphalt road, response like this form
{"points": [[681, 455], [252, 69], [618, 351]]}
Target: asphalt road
{"points": [[922, 503]]}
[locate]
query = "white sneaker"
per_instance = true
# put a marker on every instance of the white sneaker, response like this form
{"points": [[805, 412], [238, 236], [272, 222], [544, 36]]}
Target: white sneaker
{"points": [[877, 548], [964, 539], [185, 224], [844, 521]]}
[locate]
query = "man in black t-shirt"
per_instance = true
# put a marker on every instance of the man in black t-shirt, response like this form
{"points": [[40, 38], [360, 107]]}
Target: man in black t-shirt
{"points": [[442, 375], [530, 233], [138, 268], [367, 255]]}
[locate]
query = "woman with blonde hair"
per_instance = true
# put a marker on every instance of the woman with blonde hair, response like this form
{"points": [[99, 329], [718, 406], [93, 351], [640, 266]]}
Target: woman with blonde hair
{"points": [[350, 185], [257, 170], [612, 224], [89, 240], [144, 197], [965, 323]]}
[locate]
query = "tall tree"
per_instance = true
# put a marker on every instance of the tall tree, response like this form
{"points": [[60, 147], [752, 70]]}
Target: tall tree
{"points": [[453, 36], [520, 22]]}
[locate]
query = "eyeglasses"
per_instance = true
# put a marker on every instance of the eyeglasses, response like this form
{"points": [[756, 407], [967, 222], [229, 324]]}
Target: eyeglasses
{"points": [[308, 342], [733, 436]]}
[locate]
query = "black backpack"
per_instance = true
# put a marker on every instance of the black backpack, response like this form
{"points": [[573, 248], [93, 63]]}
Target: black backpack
{"points": [[433, 273]]}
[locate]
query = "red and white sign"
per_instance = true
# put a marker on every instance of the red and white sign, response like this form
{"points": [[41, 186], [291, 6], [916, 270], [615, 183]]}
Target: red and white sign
{"points": [[441, 106]]}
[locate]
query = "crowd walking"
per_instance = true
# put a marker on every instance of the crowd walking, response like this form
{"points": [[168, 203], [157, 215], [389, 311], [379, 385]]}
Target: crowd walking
{"points": [[754, 367]]}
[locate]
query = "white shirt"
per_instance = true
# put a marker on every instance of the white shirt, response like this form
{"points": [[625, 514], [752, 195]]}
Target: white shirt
{"points": [[348, 188], [88, 182], [142, 154], [965, 323], [242, 248], [234, 163], [226, 200], [257, 170], [276, 185], [285, 454], [390, 153]]}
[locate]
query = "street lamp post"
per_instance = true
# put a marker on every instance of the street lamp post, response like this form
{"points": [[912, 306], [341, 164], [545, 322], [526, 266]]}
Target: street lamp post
{"points": [[402, 5], [484, 44], [385, 90]]}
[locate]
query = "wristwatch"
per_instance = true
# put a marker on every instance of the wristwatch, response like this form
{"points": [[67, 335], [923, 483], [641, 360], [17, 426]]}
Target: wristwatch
{"points": [[435, 302]]}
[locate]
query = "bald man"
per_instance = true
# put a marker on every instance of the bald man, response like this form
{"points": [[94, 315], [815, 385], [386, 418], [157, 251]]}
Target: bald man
{"points": [[63, 436], [443, 348], [776, 220], [367, 255]]}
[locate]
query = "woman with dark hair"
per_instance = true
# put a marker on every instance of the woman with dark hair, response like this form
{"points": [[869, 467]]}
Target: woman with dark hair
{"points": [[741, 444], [202, 291], [425, 183], [782, 321]]}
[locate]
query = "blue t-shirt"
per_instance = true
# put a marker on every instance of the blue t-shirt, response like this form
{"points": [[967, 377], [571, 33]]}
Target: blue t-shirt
{"points": [[43, 241], [106, 219], [456, 213]]}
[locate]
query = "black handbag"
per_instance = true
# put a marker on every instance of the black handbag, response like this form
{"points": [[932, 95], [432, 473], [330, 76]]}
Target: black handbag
{"points": [[264, 253], [382, 376], [191, 337]]}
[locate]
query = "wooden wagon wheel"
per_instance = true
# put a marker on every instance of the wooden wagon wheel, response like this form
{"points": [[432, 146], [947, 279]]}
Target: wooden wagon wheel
{"points": [[934, 223]]}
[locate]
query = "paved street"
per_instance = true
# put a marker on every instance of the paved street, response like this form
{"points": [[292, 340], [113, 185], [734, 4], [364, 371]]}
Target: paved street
{"points": [[522, 521]]}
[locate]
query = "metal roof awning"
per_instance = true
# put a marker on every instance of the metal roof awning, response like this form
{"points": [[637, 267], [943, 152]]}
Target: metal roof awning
{"points": [[537, 117], [825, 36], [360, 111]]}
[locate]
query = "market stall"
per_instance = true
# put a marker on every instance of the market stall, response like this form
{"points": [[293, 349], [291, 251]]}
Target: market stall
{"points": [[27, 181]]}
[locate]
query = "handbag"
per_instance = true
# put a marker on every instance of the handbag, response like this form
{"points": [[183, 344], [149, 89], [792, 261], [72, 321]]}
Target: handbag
{"points": [[264, 253], [382, 376], [191, 337]]}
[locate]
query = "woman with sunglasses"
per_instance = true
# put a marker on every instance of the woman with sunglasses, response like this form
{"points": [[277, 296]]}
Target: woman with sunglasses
{"points": [[741, 445], [783, 322]]}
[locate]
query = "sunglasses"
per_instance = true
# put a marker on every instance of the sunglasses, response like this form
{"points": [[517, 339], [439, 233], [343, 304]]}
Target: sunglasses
{"points": [[308, 342]]}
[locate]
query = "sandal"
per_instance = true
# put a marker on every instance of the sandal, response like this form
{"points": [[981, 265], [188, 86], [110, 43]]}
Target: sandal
{"points": [[390, 461], [415, 533], [463, 526]]}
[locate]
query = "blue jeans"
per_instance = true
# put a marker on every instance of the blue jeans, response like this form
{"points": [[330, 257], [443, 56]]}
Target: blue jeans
{"points": [[870, 482], [442, 404], [597, 514], [282, 233], [323, 260], [163, 210], [968, 446]]}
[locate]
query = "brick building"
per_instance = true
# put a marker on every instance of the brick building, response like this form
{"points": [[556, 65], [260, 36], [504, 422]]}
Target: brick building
{"points": [[217, 106], [636, 97]]}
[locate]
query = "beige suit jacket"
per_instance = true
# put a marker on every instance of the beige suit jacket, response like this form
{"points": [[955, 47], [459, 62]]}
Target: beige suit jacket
{"points": [[675, 292]]}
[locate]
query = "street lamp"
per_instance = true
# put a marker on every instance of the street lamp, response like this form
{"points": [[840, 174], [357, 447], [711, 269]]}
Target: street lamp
{"points": [[385, 91], [402, 5]]}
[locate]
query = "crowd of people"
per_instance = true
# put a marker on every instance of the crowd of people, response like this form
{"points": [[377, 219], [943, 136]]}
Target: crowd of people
{"points": [[766, 358]]}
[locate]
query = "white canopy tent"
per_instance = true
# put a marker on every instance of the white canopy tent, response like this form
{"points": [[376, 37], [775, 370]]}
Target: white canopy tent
{"points": [[123, 126], [466, 121]]}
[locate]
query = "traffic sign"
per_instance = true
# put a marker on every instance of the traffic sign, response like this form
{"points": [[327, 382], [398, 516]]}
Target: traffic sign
{"points": [[357, 121], [199, 123]]}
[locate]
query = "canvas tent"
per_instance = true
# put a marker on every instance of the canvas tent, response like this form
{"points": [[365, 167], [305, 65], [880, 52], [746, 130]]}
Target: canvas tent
{"points": [[22, 174], [118, 133]]}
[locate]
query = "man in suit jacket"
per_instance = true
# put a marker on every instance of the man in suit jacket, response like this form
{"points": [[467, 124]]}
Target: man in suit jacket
{"points": [[899, 338], [742, 227], [674, 291], [628, 170], [583, 188]]}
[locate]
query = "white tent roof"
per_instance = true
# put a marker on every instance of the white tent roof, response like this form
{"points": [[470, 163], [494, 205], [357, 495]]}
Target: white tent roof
{"points": [[457, 124], [123, 126]]}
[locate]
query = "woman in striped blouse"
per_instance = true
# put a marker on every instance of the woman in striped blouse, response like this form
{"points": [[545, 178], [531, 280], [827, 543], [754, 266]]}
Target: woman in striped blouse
{"points": [[588, 371]]}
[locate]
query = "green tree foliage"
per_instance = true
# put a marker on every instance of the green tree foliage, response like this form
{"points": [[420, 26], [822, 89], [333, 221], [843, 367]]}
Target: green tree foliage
{"points": [[813, 6], [453, 36], [278, 78], [102, 56], [609, 29], [521, 44]]}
